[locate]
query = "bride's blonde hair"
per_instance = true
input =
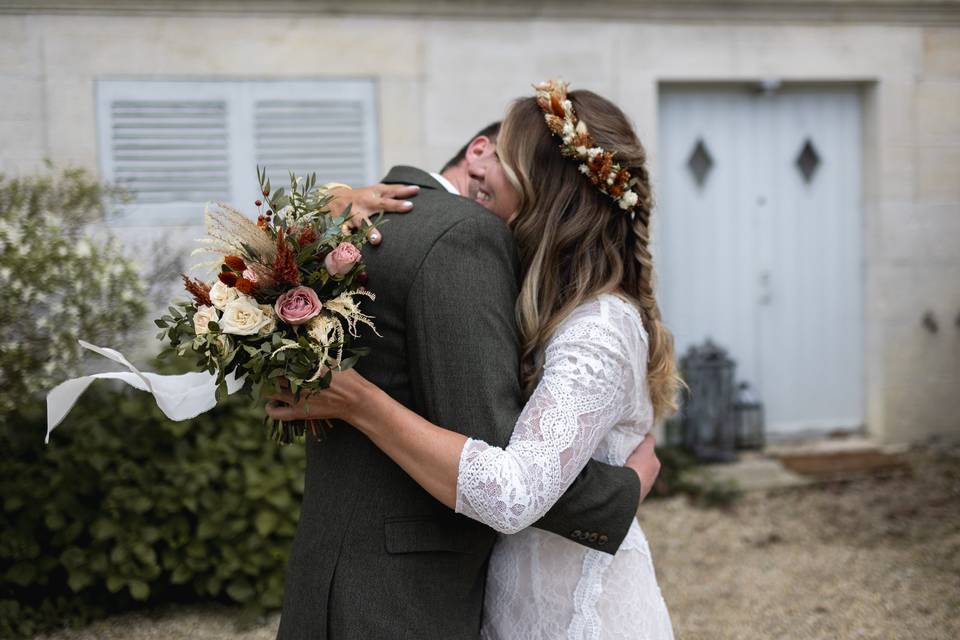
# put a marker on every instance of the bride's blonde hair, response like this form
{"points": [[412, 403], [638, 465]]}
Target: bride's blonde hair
{"points": [[575, 242]]}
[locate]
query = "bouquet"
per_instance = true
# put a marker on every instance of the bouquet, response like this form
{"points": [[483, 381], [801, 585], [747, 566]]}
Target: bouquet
{"points": [[286, 300]]}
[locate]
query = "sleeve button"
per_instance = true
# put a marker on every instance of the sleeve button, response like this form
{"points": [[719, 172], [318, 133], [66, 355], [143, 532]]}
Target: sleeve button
{"points": [[602, 540], [592, 537], [576, 534]]}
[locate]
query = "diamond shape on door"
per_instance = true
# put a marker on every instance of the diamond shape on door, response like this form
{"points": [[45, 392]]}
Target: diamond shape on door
{"points": [[808, 161], [700, 162]]}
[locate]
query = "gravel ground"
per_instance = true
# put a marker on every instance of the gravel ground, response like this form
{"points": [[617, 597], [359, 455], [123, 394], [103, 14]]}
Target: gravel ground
{"points": [[873, 558], [877, 558]]}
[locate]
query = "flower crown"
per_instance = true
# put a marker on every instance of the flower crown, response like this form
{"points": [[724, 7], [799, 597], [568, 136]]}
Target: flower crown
{"points": [[595, 162]]}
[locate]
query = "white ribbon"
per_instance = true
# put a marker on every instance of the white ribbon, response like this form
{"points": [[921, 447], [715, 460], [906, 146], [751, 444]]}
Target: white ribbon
{"points": [[180, 397]]}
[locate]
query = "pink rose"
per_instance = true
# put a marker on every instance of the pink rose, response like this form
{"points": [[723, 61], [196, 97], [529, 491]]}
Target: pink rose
{"points": [[339, 261], [298, 305]]}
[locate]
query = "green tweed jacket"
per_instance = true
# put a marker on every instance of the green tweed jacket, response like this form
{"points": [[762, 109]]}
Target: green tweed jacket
{"points": [[375, 556]]}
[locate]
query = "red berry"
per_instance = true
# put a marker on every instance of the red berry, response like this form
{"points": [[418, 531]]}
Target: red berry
{"points": [[258, 202], [265, 193], [362, 277], [269, 213]]}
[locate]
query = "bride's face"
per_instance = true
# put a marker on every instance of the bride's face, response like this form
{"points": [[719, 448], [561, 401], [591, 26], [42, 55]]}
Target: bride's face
{"points": [[489, 185]]}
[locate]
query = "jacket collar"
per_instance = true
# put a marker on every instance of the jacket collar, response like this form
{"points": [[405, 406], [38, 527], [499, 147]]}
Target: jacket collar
{"points": [[411, 175]]}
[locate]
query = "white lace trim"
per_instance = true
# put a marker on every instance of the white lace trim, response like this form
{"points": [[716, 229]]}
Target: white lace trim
{"points": [[585, 624]]}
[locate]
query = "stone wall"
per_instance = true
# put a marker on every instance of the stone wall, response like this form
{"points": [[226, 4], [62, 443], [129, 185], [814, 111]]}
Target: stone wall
{"points": [[440, 79]]}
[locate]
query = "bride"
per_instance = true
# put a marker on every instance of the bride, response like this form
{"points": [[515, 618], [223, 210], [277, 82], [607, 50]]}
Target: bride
{"points": [[597, 363]]}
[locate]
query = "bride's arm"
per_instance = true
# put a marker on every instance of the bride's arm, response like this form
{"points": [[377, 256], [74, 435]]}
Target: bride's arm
{"points": [[366, 202], [581, 395], [578, 399]]}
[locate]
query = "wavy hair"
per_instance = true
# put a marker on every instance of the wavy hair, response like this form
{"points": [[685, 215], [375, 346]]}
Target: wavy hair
{"points": [[576, 242]]}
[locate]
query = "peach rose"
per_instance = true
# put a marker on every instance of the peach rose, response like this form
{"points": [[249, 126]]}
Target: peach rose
{"points": [[298, 305], [340, 261]]}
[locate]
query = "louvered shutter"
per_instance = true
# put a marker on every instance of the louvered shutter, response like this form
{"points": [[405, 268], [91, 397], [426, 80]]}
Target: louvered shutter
{"points": [[326, 137], [177, 145], [170, 150]]}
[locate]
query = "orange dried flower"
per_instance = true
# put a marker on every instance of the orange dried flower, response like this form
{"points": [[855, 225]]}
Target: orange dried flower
{"points": [[555, 124], [198, 289], [284, 264], [556, 106], [228, 278], [235, 262], [581, 140], [245, 286]]}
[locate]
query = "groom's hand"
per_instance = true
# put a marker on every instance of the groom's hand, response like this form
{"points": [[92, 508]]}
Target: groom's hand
{"points": [[644, 461]]}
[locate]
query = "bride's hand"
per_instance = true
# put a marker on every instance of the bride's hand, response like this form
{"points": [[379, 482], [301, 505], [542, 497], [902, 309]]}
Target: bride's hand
{"points": [[368, 201], [342, 400]]}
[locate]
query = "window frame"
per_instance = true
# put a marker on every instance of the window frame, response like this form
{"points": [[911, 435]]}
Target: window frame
{"points": [[239, 96]]}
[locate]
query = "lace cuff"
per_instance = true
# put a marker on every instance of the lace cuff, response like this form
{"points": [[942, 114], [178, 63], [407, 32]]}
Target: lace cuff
{"points": [[470, 452]]}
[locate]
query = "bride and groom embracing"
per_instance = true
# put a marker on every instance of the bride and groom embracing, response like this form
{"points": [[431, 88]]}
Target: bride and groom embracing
{"points": [[442, 442]]}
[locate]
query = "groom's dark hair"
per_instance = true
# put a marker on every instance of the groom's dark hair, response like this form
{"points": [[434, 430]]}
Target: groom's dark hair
{"points": [[491, 131]]}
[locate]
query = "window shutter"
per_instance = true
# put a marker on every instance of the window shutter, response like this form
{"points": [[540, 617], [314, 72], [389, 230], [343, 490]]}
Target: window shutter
{"points": [[326, 137], [176, 145], [166, 151]]}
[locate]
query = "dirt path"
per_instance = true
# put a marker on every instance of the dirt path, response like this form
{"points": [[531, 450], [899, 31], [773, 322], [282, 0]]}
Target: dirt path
{"points": [[875, 559]]}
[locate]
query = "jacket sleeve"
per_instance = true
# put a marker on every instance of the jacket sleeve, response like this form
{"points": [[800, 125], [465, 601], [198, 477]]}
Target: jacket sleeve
{"points": [[464, 353]]}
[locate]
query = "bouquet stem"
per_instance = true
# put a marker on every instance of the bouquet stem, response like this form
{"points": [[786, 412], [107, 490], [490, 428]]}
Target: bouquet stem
{"points": [[294, 430]]}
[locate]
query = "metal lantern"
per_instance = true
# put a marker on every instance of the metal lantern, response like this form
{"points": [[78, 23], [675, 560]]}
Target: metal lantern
{"points": [[748, 412], [709, 427]]}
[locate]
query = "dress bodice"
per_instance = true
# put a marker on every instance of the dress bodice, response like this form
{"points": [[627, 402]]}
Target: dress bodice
{"points": [[591, 402]]}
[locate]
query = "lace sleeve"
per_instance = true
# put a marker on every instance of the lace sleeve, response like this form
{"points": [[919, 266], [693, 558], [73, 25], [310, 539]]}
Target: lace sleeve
{"points": [[579, 398]]}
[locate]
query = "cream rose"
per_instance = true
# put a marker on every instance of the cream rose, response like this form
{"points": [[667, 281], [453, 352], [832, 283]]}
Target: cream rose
{"points": [[243, 317], [271, 324], [203, 317], [221, 295]]}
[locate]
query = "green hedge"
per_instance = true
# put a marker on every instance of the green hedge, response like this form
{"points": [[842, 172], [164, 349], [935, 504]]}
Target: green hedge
{"points": [[125, 507]]}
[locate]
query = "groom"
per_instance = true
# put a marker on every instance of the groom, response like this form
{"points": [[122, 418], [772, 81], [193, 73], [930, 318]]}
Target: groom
{"points": [[375, 556]]}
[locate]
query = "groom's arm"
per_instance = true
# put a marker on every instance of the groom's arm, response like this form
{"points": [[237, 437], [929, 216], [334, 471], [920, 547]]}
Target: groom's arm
{"points": [[464, 355]]}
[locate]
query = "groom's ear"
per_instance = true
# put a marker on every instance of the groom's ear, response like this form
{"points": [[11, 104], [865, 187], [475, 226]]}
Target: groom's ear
{"points": [[479, 147]]}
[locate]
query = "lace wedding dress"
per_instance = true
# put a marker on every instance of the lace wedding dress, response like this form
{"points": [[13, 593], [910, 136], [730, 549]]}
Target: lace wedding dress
{"points": [[591, 402]]}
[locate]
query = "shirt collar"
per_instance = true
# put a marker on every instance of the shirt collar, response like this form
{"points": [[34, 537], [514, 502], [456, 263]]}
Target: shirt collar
{"points": [[446, 183]]}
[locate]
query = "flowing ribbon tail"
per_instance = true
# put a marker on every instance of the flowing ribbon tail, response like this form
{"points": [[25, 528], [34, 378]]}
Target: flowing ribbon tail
{"points": [[180, 397]]}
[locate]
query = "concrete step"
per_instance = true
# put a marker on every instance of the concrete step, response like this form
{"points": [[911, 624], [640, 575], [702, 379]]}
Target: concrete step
{"points": [[799, 463], [840, 458], [757, 472]]}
